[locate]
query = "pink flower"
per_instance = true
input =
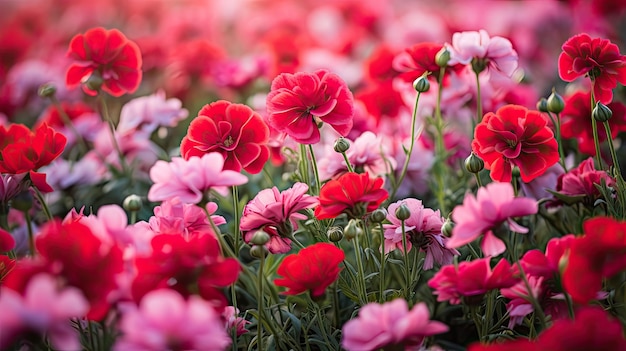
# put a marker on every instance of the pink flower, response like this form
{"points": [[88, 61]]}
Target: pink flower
{"points": [[276, 213], [423, 229], [582, 181], [233, 321], [390, 326], [145, 114], [495, 54], [191, 179], [166, 321], [471, 280], [298, 102], [493, 205], [42, 309]]}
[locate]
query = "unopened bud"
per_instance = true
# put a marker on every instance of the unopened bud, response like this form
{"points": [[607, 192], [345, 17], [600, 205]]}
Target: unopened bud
{"points": [[421, 84], [335, 234], [515, 172], [379, 215], [259, 251], [446, 228], [260, 238], [132, 203], [443, 57], [602, 112], [23, 201], [403, 212], [479, 65], [341, 145], [474, 164], [555, 103], [94, 82], [542, 105], [352, 229], [47, 90]]}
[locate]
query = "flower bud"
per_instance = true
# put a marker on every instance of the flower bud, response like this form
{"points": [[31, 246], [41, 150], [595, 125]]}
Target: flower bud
{"points": [[260, 238], [379, 215], [515, 172], [47, 90], [446, 228], [94, 82], [23, 201], [479, 65], [132, 203], [443, 57], [335, 234], [259, 251], [474, 164], [403, 212], [555, 102], [341, 145], [421, 84], [602, 112], [542, 105], [352, 229]]}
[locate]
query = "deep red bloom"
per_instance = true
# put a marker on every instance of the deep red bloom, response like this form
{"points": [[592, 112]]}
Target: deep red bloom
{"points": [[599, 253], [351, 193], [74, 252], [417, 60], [7, 243], [186, 265], [597, 58], [381, 100], [576, 121], [52, 117], [379, 65], [297, 102], [235, 131], [313, 268], [515, 136], [6, 266], [110, 55]]}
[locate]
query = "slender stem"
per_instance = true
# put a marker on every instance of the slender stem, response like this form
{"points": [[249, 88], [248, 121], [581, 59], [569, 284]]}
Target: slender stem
{"points": [[405, 257], [260, 307], [531, 297], [348, 165], [236, 219], [607, 129], [31, 235], [335, 297], [594, 128], [556, 121], [44, 206], [304, 166], [361, 277], [478, 181], [479, 101], [107, 118], [405, 167], [318, 185], [383, 258]]}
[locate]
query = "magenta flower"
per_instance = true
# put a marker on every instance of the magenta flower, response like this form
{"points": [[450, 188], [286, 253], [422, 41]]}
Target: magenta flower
{"points": [[423, 229], [298, 102], [494, 54], [42, 309], [390, 326], [493, 205], [233, 321], [191, 179], [276, 213], [582, 181], [166, 321]]}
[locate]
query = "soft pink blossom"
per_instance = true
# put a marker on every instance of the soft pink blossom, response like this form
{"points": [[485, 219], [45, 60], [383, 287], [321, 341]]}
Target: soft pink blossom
{"points": [[233, 321], [139, 152], [145, 114], [191, 179], [43, 309], [493, 205], [390, 325], [109, 224], [582, 180], [277, 214], [423, 229], [166, 321]]}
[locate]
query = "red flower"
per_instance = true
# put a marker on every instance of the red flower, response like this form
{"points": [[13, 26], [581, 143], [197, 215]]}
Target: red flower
{"points": [[235, 131], [351, 193], [417, 60], [110, 55], [6, 266], [187, 266], [597, 58], [515, 136], [7, 243], [313, 268], [576, 121], [298, 102], [600, 253]]}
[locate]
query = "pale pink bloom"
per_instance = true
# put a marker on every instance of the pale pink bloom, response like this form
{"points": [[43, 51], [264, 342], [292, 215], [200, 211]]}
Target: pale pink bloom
{"points": [[418, 171], [233, 321], [367, 153], [237, 73], [109, 224], [87, 170], [496, 52], [166, 321], [139, 152], [145, 114], [44, 309], [493, 205], [277, 214], [192, 179], [422, 228], [390, 325]]}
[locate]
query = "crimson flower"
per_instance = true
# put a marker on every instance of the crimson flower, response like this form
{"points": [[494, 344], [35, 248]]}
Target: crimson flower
{"points": [[597, 58], [298, 102], [6, 266], [7, 243], [599, 253], [312, 269], [416, 60], [515, 136], [235, 131], [108, 54], [351, 193]]}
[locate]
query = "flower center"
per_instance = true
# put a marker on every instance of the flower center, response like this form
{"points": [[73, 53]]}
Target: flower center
{"points": [[229, 141]]}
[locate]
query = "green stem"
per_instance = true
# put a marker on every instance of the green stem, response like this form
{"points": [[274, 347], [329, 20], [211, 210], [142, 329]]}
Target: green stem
{"points": [[557, 130], [31, 235], [318, 185], [304, 167], [41, 200], [335, 298], [361, 277], [383, 258], [479, 101], [236, 219], [594, 129], [607, 129], [405, 257], [107, 118], [348, 164], [537, 307], [478, 181], [260, 307]]}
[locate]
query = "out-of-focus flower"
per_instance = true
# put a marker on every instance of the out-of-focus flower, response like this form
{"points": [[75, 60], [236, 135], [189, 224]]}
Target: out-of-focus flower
{"points": [[600, 253], [165, 320], [110, 56], [493, 205], [43, 308], [582, 181], [470, 280], [423, 229], [312, 269], [515, 136], [596, 58], [6, 265], [416, 60], [7, 243], [353, 194], [233, 321], [494, 54], [390, 326], [191, 179], [298, 102], [234, 130], [84, 119], [145, 114], [276, 213], [10, 186]]}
